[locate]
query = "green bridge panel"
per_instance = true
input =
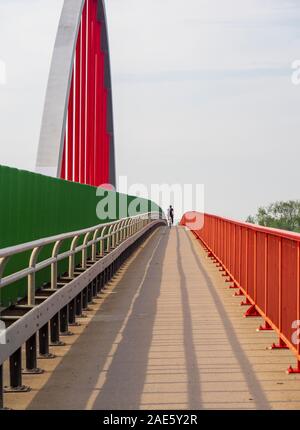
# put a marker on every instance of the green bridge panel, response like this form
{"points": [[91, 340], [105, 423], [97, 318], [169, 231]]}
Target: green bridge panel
{"points": [[34, 206]]}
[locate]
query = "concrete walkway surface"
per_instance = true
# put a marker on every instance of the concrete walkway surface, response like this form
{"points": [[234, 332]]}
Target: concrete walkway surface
{"points": [[166, 333]]}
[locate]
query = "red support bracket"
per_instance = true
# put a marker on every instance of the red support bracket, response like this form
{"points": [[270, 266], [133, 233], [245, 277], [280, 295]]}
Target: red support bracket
{"points": [[266, 326], [238, 293], [233, 286], [251, 312], [280, 345], [246, 302], [291, 369]]}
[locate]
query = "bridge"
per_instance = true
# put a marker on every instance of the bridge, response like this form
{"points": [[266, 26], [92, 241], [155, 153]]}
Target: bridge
{"points": [[115, 309]]}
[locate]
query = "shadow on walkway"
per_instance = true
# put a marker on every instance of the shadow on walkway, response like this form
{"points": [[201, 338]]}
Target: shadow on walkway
{"points": [[253, 384], [127, 373], [193, 377], [108, 351]]}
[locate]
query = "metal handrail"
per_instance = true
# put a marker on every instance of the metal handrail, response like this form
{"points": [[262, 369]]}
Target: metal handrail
{"points": [[116, 229], [255, 227]]}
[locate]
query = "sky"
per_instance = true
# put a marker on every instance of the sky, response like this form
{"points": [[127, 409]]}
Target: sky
{"points": [[202, 93]]}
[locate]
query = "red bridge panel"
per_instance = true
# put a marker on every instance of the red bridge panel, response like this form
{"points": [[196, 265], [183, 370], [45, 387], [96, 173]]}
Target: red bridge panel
{"points": [[264, 264]]}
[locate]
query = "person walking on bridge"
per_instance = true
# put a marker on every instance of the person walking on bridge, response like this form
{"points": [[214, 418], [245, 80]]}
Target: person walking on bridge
{"points": [[170, 216]]}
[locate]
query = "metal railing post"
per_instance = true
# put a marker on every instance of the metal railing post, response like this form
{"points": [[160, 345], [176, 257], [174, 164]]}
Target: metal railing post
{"points": [[15, 370], [55, 252], [94, 245], [54, 331], [123, 230], [108, 239], [72, 256], [63, 321], [72, 313], [31, 357], [126, 229], [102, 250], [114, 235], [31, 276], [85, 250], [3, 262], [78, 309], [44, 342]]}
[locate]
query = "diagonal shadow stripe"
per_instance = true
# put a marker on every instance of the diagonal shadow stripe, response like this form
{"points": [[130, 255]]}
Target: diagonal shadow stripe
{"points": [[193, 385], [253, 384]]}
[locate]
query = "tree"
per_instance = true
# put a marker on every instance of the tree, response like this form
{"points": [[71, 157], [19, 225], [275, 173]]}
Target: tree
{"points": [[281, 214]]}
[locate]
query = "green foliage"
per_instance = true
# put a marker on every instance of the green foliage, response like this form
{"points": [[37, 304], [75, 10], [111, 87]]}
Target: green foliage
{"points": [[284, 215], [251, 219]]}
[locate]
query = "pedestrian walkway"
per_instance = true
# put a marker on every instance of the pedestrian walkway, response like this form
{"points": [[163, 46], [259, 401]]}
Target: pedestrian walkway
{"points": [[166, 333]]}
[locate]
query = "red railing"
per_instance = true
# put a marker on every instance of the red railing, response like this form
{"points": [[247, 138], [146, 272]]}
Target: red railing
{"points": [[264, 265]]}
